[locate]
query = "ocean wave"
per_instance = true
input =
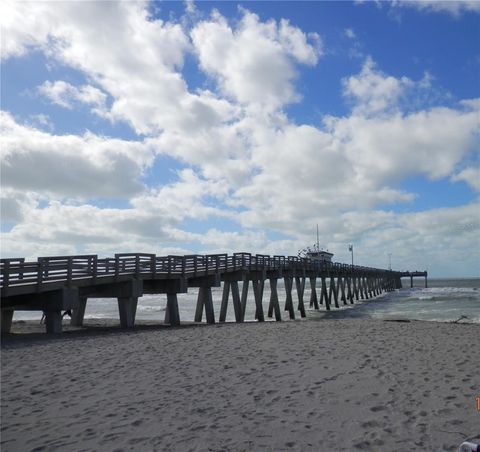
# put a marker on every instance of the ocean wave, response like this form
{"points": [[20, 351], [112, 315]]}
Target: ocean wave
{"points": [[445, 290], [150, 308]]}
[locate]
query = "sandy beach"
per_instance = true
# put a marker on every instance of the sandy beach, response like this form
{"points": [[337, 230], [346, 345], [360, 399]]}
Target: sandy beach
{"points": [[323, 385]]}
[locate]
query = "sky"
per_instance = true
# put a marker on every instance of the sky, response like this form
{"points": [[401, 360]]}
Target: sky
{"points": [[211, 127]]}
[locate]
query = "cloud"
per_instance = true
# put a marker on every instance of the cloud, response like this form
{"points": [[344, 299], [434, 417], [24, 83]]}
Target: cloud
{"points": [[127, 54], [20, 32], [430, 142], [349, 33], [470, 175], [433, 239], [150, 223], [372, 91], [304, 173], [15, 204], [183, 198], [455, 8], [41, 121], [66, 95], [87, 166], [253, 63], [445, 241]]}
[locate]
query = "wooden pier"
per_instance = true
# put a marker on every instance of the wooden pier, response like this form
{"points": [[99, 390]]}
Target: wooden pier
{"points": [[415, 274], [59, 283]]}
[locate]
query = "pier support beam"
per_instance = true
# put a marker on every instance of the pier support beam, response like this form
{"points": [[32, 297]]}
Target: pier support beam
{"points": [[300, 285], [205, 300], [231, 286], [398, 282], [274, 305], [341, 286], [333, 290], [245, 287], [361, 288], [369, 287], [7, 317], [289, 300], [64, 299], [325, 294], [53, 321], [172, 315], [78, 314], [349, 289], [365, 287], [127, 308], [224, 305], [237, 304], [258, 287], [313, 293]]}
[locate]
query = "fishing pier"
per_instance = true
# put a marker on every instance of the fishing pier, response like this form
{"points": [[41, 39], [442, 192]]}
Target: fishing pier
{"points": [[415, 274], [60, 283]]}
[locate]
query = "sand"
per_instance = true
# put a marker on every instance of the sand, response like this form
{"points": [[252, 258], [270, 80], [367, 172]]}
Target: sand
{"points": [[327, 385]]}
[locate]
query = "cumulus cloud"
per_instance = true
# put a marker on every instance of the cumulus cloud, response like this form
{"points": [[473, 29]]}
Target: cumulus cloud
{"points": [[16, 39], [372, 91], [455, 8], [349, 33], [15, 204], [445, 241], [86, 166], [66, 95], [354, 163], [471, 176], [183, 199], [130, 56], [429, 142], [41, 121], [253, 63]]}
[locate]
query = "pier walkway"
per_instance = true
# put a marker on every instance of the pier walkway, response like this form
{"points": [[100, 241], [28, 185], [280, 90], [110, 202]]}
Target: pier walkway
{"points": [[59, 283], [415, 274]]}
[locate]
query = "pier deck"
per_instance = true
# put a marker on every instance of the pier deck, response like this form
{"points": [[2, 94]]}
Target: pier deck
{"points": [[415, 274]]}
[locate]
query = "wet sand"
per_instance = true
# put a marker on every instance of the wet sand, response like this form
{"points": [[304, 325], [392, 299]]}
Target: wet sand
{"points": [[322, 385]]}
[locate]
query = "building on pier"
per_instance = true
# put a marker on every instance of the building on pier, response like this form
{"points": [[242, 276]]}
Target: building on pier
{"points": [[317, 254]]}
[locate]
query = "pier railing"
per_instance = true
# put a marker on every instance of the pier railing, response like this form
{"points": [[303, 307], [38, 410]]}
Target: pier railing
{"points": [[69, 269]]}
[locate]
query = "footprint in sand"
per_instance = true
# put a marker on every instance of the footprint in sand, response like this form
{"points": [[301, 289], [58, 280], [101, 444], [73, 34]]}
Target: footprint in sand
{"points": [[363, 445], [370, 424], [456, 422], [377, 408]]}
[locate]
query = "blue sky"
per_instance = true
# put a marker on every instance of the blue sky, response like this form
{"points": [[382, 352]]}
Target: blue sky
{"points": [[174, 127]]}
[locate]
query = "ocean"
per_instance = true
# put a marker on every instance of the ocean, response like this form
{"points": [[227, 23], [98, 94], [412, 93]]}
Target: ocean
{"points": [[445, 300]]}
